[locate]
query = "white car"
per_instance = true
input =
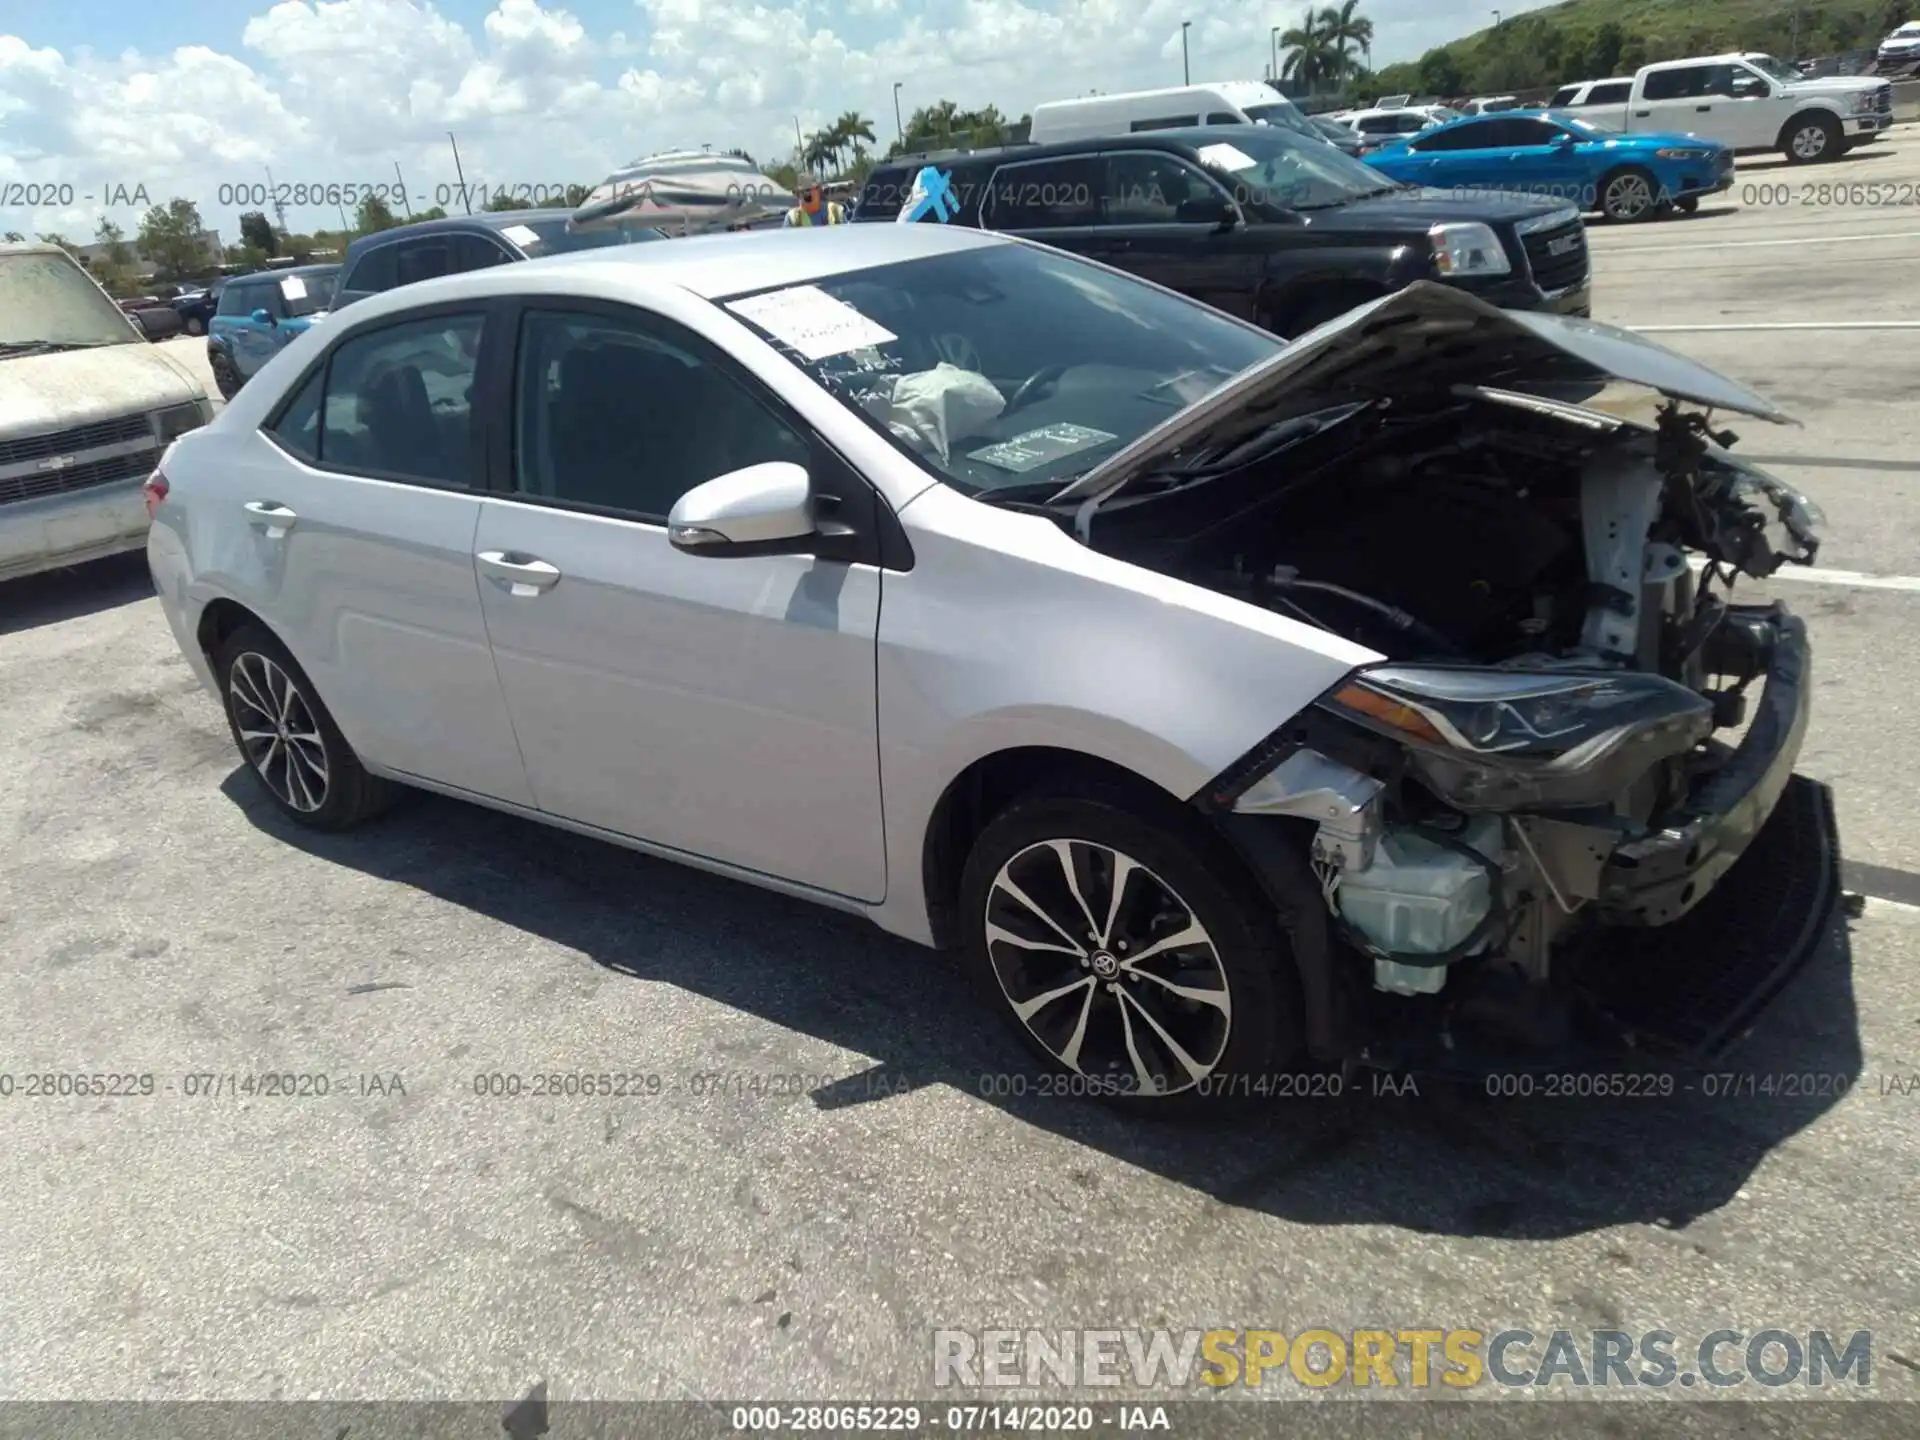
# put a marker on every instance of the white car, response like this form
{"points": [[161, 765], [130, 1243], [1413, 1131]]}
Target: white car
{"points": [[1902, 47], [1222, 698], [1387, 123]]}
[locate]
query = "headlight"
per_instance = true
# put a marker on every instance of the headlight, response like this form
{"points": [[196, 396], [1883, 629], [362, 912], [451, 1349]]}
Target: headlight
{"points": [[1490, 739], [177, 420], [1682, 154], [1863, 103], [1467, 248]]}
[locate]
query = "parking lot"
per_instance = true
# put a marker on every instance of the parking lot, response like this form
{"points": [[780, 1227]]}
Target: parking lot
{"points": [[407, 1237]]}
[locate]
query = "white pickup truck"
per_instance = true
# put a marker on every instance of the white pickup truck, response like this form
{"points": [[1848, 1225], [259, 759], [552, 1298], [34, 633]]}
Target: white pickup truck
{"points": [[1751, 102]]}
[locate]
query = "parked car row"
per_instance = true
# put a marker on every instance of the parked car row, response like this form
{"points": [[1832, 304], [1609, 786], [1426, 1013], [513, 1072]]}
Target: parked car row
{"points": [[664, 544]]}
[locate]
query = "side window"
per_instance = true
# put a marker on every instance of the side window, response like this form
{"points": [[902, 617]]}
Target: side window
{"points": [[423, 259], [399, 401], [235, 300], [1678, 83], [1460, 137], [1378, 124], [1149, 189], [298, 428], [1614, 94], [629, 415], [1412, 124], [477, 252], [1165, 122], [1223, 117], [374, 272], [1514, 133], [1045, 194], [1562, 97]]}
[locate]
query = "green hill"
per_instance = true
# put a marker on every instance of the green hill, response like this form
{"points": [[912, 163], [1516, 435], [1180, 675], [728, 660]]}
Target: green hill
{"points": [[1593, 39]]}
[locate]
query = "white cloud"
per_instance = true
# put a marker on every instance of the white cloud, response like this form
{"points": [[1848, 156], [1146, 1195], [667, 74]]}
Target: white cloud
{"points": [[327, 91]]}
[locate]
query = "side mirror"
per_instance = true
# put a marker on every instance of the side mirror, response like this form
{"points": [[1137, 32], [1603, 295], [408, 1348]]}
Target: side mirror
{"points": [[261, 317], [1566, 140], [1208, 210], [1746, 87], [761, 510], [158, 323]]}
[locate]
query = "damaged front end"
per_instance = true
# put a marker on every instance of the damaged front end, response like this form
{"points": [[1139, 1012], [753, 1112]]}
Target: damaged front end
{"points": [[1575, 732]]}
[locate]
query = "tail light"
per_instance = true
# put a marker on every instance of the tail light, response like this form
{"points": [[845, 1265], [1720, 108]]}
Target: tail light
{"points": [[155, 491]]}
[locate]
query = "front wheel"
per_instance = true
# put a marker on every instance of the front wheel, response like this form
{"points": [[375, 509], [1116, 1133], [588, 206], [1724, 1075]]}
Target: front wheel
{"points": [[225, 376], [195, 326], [1687, 206], [1812, 138], [1629, 196], [1130, 954]]}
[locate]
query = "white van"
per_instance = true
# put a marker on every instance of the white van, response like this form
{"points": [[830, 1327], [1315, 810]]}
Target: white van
{"points": [[1228, 102], [87, 407]]}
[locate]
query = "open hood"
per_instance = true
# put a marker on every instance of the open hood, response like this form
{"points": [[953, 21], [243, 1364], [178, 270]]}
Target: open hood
{"points": [[1427, 337]]}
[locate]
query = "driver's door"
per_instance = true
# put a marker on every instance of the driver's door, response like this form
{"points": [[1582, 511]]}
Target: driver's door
{"points": [[1158, 220], [1543, 158], [722, 707]]}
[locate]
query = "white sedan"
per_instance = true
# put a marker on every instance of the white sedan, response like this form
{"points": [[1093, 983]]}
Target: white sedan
{"points": [[1223, 699]]}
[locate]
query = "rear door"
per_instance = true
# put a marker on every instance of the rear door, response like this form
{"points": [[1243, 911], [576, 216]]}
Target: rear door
{"points": [[1156, 221], [1451, 158], [1679, 98], [360, 508], [1054, 201]]}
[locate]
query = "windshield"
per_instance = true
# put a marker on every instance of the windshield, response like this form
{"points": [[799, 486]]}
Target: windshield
{"points": [[1581, 124], [1284, 114], [46, 300], [308, 294], [554, 237], [1278, 168], [1008, 368], [1778, 69]]}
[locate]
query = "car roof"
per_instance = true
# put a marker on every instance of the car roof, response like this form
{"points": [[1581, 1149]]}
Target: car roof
{"points": [[709, 266], [1184, 137], [485, 220]]}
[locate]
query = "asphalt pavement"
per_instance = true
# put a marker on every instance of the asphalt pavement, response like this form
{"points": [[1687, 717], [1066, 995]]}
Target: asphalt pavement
{"points": [[406, 1236]]}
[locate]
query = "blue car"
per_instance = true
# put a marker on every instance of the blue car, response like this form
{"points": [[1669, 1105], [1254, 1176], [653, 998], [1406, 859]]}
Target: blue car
{"points": [[259, 315], [1551, 153]]}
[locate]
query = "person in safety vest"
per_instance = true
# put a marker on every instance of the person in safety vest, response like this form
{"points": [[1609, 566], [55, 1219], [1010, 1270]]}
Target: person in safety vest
{"points": [[815, 209]]}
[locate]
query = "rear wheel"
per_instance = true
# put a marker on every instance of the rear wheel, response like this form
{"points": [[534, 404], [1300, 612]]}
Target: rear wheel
{"points": [[1130, 954], [1812, 138], [194, 325], [1687, 206], [289, 739]]}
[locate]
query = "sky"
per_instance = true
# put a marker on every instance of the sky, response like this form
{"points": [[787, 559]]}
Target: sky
{"points": [[111, 105]]}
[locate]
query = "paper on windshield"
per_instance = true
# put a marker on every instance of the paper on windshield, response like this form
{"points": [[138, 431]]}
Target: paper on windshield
{"points": [[1035, 448], [811, 321], [1227, 157], [293, 287], [521, 235]]}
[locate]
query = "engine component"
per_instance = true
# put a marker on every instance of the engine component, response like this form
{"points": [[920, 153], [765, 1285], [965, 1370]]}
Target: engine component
{"points": [[1619, 500], [1423, 899]]}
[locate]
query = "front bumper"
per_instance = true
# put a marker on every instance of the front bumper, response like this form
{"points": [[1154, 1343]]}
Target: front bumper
{"points": [[1866, 127], [71, 527], [1518, 292], [1656, 880]]}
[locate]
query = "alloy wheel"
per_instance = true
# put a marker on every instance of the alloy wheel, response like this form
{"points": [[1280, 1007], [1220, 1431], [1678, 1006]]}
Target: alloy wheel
{"points": [[1810, 142], [278, 732], [1108, 968], [1629, 197]]}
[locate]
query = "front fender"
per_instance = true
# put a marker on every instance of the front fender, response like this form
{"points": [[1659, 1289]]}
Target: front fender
{"points": [[1008, 634]]}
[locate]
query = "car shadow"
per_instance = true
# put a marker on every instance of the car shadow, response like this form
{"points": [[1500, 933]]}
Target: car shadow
{"points": [[1780, 164], [1419, 1155], [59, 595]]}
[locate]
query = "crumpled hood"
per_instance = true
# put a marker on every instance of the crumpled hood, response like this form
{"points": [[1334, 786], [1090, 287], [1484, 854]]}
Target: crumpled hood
{"points": [[39, 393], [1427, 337]]}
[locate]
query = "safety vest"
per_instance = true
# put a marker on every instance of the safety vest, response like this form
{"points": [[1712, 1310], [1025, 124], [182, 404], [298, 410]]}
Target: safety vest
{"points": [[836, 215]]}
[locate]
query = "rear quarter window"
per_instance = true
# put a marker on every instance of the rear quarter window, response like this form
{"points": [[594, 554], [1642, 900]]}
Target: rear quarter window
{"points": [[1615, 94], [1563, 96]]}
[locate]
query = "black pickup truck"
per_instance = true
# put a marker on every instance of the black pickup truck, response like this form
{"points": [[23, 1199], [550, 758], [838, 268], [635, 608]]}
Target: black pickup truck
{"points": [[1259, 221]]}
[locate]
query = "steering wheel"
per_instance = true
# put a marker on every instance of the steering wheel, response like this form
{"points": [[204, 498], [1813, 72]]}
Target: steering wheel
{"points": [[1031, 388]]}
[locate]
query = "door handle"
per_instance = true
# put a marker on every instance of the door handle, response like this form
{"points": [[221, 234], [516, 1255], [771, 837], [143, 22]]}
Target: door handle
{"points": [[1117, 246], [1641, 114], [518, 574], [1703, 108], [270, 516]]}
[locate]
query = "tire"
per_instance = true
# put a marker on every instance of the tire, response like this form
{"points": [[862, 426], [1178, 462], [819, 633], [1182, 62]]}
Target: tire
{"points": [[224, 375], [1179, 879], [1630, 195], [1319, 311], [1687, 206], [194, 326], [1812, 138], [292, 746]]}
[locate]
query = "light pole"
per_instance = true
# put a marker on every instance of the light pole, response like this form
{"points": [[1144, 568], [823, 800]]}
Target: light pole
{"points": [[1186, 71], [1496, 19], [459, 174], [899, 130], [1273, 43]]}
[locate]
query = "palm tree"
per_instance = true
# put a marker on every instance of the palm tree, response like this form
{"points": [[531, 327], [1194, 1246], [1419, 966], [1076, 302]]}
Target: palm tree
{"points": [[854, 132], [820, 151], [1311, 55], [1345, 28]]}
